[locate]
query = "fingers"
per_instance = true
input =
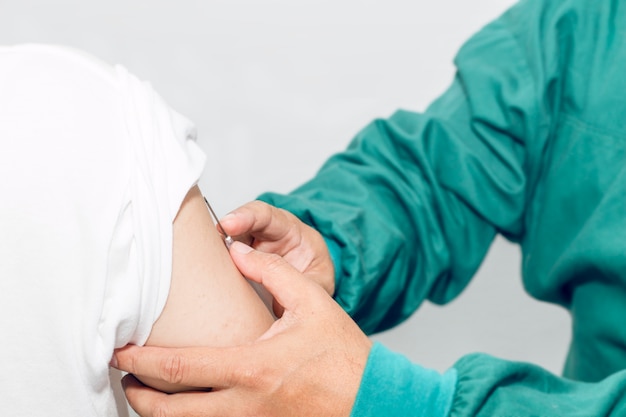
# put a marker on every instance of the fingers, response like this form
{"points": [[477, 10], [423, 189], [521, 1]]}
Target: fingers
{"points": [[273, 230], [150, 403], [288, 286], [259, 219], [195, 367], [145, 401]]}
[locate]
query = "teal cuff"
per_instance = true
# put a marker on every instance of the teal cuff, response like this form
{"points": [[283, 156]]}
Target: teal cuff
{"points": [[335, 257], [393, 386]]}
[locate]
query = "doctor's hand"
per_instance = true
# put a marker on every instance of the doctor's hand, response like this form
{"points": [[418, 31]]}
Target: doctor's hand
{"points": [[309, 363], [273, 230]]}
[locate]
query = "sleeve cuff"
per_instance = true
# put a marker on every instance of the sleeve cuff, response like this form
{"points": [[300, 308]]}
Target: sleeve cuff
{"points": [[394, 386]]}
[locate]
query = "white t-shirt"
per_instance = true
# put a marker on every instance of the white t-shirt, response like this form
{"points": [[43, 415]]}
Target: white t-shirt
{"points": [[93, 169]]}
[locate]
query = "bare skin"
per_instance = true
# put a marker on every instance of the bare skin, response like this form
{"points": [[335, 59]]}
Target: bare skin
{"points": [[309, 363], [209, 303]]}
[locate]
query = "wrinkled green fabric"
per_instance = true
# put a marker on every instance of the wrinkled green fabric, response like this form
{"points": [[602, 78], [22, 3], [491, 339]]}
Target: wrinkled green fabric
{"points": [[490, 387], [529, 141]]}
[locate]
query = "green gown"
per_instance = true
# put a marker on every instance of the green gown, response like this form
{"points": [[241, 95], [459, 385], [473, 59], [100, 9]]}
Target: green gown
{"points": [[529, 141]]}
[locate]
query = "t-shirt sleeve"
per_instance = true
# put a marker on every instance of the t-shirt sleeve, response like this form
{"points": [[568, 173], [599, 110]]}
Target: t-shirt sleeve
{"points": [[165, 163]]}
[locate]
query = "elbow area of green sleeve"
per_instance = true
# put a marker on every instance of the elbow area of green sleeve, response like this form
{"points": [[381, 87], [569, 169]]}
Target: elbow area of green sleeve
{"points": [[394, 386]]}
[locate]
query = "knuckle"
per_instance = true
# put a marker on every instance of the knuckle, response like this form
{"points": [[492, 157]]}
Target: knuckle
{"points": [[173, 369], [160, 408], [258, 204], [132, 364], [252, 377], [274, 263], [259, 208]]}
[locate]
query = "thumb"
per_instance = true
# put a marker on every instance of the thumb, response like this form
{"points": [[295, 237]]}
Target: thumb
{"points": [[288, 286]]}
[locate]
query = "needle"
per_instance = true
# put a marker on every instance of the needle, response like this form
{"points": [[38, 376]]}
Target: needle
{"points": [[227, 239]]}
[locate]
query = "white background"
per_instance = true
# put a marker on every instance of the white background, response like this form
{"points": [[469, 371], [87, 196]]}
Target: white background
{"points": [[276, 86]]}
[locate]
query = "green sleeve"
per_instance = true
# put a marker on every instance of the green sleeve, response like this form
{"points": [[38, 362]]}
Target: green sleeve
{"points": [[488, 387], [416, 200], [393, 386], [480, 386]]}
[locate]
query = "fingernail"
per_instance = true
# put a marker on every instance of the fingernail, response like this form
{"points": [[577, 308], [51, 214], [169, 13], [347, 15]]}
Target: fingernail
{"points": [[240, 247], [113, 362]]}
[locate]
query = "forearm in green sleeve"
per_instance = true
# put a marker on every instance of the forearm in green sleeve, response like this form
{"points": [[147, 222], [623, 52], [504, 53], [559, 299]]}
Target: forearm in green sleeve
{"points": [[411, 208], [415, 201], [413, 204], [489, 387], [480, 385]]}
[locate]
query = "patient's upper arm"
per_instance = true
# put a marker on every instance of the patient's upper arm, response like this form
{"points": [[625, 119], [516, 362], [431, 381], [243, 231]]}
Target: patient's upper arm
{"points": [[209, 303]]}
